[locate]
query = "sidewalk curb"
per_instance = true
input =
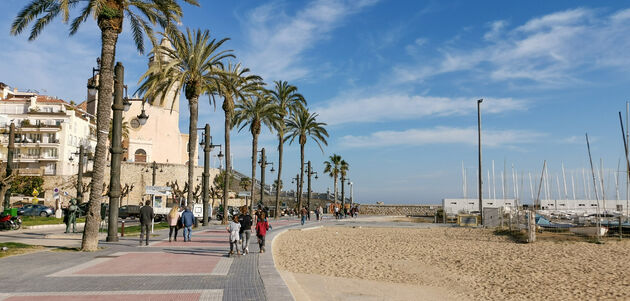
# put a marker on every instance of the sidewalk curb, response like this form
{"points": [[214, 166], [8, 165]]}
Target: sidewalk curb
{"points": [[275, 287], [51, 226]]}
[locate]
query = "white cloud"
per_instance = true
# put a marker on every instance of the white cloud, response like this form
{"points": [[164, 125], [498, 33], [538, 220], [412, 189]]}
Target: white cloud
{"points": [[553, 49], [390, 106], [278, 40], [441, 135]]}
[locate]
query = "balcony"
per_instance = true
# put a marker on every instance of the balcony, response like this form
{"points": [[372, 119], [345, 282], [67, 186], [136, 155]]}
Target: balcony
{"points": [[29, 171], [34, 158]]}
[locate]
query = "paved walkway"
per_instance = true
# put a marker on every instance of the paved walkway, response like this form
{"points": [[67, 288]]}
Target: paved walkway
{"points": [[197, 270]]}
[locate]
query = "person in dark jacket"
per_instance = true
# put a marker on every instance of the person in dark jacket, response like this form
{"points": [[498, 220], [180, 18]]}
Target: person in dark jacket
{"points": [[246, 228], [146, 217], [188, 219]]}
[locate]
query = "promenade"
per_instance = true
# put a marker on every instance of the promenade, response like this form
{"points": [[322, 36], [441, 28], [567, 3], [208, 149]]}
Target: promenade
{"points": [[196, 270]]}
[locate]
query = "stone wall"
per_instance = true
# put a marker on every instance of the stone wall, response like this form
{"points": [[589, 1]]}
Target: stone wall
{"points": [[131, 173], [397, 210]]}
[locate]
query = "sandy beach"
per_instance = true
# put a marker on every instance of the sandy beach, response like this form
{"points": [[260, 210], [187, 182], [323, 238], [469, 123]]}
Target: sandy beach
{"points": [[354, 263]]}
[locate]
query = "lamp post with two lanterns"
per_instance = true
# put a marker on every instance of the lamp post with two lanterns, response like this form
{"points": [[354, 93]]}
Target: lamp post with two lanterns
{"points": [[116, 149], [81, 153], [207, 147], [263, 164], [309, 173]]}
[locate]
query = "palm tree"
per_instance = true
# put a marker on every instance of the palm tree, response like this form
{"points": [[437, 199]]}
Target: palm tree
{"points": [[343, 171], [109, 15], [245, 182], [235, 84], [333, 168], [192, 65], [288, 100], [255, 111], [277, 187], [302, 124]]}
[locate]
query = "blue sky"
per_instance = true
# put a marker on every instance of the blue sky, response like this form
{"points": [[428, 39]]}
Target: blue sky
{"points": [[397, 83]]}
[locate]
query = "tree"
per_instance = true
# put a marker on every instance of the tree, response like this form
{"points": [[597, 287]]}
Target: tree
{"points": [[109, 15], [235, 84], [277, 188], [288, 100], [245, 182], [333, 168], [191, 65], [254, 111], [303, 125], [218, 185]]}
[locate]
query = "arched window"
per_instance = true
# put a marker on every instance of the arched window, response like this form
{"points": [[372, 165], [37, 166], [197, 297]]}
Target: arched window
{"points": [[140, 156]]}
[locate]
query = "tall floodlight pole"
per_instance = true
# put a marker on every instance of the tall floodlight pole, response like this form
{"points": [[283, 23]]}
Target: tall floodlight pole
{"points": [[116, 154], [588, 146], [479, 169], [10, 151]]}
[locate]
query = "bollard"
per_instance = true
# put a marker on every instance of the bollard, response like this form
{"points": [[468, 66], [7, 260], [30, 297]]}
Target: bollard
{"points": [[122, 229]]}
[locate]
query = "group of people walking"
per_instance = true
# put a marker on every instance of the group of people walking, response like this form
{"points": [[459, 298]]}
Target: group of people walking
{"points": [[240, 229], [177, 219]]}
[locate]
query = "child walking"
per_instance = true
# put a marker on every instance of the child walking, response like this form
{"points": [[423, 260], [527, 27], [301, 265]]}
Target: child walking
{"points": [[262, 225], [233, 228]]}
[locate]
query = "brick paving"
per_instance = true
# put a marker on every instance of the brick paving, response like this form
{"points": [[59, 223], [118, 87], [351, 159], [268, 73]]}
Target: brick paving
{"points": [[197, 270]]}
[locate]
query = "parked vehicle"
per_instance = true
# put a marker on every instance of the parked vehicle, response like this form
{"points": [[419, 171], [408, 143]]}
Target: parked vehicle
{"points": [[131, 211], [9, 222], [231, 211], [36, 210]]}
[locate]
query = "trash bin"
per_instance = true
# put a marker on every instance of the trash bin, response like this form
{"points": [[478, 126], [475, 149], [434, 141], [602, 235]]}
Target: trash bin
{"points": [[11, 211]]}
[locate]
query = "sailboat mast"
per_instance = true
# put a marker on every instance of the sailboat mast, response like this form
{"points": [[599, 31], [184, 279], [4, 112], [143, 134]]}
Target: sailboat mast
{"points": [[573, 185], [494, 183], [564, 180]]}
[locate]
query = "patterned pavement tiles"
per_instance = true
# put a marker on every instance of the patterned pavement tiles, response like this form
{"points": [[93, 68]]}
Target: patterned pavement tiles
{"points": [[143, 264], [145, 295]]}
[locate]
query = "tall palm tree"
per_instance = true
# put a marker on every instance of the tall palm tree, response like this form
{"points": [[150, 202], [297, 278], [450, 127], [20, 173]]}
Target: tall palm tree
{"points": [[333, 168], [288, 100], [302, 124], [255, 111], [343, 172], [192, 65], [235, 84], [109, 15]]}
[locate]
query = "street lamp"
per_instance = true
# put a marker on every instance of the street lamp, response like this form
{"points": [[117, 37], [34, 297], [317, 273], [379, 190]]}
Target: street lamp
{"points": [[296, 180], [10, 152], [309, 173], [206, 141], [92, 86], [263, 164], [351, 191], [479, 144], [143, 117], [116, 151], [81, 153], [154, 167]]}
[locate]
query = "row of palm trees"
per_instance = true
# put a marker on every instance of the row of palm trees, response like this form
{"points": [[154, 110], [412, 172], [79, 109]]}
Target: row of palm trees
{"points": [[194, 63], [337, 168]]}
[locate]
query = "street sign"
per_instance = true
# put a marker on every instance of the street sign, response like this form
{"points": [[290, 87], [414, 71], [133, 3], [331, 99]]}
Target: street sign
{"points": [[244, 194]]}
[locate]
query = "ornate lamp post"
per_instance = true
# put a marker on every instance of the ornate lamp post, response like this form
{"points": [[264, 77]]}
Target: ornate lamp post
{"points": [[154, 168], [296, 180], [81, 153], [10, 151], [263, 164], [309, 173], [116, 149], [207, 147]]}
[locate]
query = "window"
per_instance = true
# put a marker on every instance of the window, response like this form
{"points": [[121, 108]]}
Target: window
{"points": [[593, 205], [489, 203], [508, 204], [453, 203], [581, 205], [140, 156], [562, 205], [471, 203]]}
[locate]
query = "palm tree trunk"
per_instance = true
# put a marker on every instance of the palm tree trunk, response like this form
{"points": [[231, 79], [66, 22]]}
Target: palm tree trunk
{"points": [[343, 194], [280, 150], [254, 160], [228, 158], [193, 106], [301, 176], [335, 189], [109, 37]]}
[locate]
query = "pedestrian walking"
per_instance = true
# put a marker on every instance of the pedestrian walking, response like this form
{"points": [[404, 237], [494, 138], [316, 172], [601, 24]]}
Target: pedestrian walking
{"points": [[261, 231], [317, 213], [188, 219], [245, 220], [303, 213], [146, 217], [173, 218], [233, 228], [336, 212]]}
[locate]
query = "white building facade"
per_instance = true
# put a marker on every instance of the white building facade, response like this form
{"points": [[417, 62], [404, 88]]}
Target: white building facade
{"points": [[48, 133]]}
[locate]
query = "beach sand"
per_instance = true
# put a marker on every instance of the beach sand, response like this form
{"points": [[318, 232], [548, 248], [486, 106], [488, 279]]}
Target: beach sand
{"points": [[346, 263]]}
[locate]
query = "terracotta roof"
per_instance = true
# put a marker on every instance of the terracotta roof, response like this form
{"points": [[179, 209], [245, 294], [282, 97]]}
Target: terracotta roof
{"points": [[49, 99], [83, 106]]}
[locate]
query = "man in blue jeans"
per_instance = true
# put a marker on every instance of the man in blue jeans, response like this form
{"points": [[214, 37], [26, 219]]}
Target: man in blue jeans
{"points": [[188, 219]]}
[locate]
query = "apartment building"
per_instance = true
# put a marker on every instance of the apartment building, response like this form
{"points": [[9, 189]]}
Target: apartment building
{"points": [[48, 132]]}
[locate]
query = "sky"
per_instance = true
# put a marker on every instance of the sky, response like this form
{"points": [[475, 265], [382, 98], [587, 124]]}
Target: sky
{"points": [[397, 83]]}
